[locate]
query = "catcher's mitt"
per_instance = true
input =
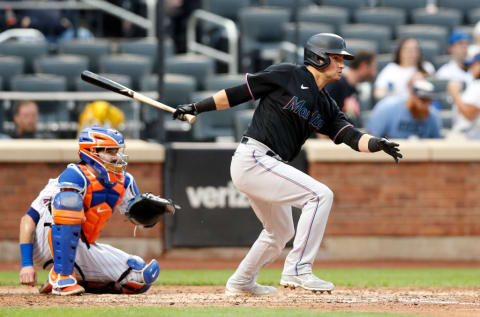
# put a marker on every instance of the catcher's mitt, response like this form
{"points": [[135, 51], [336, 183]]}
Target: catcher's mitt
{"points": [[146, 209]]}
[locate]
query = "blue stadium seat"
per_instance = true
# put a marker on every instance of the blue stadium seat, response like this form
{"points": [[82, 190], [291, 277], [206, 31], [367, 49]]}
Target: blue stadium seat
{"points": [[444, 17], [198, 66], [305, 31], [29, 51], [390, 17], [380, 34], [135, 66], [9, 67], [334, 16], [69, 66], [93, 49]]}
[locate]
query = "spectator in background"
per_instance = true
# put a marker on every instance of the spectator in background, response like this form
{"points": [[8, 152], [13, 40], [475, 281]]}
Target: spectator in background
{"points": [[405, 117], [467, 104], [101, 113], [55, 25], [474, 48], [344, 92], [394, 77], [455, 69], [25, 117]]}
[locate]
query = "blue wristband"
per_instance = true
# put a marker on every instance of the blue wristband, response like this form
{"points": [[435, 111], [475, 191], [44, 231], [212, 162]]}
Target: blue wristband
{"points": [[26, 250]]}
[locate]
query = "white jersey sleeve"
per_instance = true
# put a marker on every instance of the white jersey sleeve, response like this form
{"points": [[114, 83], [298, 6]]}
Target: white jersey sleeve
{"points": [[42, 202], [131, 190]]}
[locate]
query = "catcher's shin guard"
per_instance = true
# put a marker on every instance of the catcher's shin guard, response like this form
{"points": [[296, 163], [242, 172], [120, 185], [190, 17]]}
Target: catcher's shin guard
{"points": [[139, 276], [67, 211]]}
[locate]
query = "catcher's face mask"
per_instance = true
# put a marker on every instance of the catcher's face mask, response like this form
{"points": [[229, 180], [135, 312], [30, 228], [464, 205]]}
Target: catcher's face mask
{"points": [[104, 150]]}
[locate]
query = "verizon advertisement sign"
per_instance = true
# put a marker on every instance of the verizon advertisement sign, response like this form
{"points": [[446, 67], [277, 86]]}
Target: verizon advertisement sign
{"points": [[214, 212]]}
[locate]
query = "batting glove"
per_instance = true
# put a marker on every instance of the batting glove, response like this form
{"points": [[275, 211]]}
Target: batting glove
{"points": [[382, 144], [183, 110]]}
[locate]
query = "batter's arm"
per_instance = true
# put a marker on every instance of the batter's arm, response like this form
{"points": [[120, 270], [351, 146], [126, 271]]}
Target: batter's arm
{"points": [[28, 275]]}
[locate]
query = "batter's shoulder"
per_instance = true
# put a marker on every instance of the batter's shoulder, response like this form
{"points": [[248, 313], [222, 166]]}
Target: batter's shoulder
{"points": [[283, 67]]}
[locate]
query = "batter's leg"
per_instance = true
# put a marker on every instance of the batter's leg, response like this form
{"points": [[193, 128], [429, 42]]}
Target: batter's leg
{"points": [[278, 230]]}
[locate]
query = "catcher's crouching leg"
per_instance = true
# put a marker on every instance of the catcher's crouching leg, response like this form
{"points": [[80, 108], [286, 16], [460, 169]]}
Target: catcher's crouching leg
{"points": [[139, 276], [67, 210]]}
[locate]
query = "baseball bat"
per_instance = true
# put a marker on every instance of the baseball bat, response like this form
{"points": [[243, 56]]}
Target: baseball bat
{"points": [[111, 85]]}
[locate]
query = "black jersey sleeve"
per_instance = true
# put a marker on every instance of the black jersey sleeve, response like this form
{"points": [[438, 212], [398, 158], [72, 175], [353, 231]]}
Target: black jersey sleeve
{"points": [[275, 76], [335, 124]]}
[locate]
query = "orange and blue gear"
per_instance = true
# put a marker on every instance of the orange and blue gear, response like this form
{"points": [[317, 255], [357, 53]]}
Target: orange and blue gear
{"points": [[93, 139], [67, 211], [99, 200]]}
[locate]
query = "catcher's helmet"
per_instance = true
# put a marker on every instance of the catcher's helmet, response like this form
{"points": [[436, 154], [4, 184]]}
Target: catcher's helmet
{"points": [[93, 139], [320, 45]]}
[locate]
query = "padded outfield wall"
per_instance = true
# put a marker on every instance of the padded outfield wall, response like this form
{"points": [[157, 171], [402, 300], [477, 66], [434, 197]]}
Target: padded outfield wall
{"points": [[427, 207]]}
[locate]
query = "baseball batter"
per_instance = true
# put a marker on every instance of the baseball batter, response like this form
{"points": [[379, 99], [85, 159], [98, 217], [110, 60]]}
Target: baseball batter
{"points": [[64, 221], [293, 105]]}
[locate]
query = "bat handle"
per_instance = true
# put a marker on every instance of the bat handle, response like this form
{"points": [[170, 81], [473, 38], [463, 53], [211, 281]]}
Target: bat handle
{"points": [[190, 118]]}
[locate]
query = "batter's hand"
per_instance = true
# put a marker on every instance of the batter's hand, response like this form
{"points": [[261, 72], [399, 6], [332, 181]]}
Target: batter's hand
{"points": [[182, 110], [391, 148], [28, 276]]}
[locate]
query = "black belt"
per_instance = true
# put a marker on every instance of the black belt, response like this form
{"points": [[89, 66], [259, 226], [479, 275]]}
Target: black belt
{"points": [[269, 153]]}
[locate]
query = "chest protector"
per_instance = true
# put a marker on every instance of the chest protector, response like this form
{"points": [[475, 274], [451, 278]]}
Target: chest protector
{"points": [[99, 201]]}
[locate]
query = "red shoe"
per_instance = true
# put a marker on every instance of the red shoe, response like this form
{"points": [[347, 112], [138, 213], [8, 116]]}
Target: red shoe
{"points": [[46, 288], [69, 290]]}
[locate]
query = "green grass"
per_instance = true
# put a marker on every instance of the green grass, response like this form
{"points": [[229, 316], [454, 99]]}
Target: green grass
{"points": [[355, 277], [181, 312]]}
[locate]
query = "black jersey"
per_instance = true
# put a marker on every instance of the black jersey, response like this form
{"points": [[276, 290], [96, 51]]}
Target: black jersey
{"points": [[291, 108]]}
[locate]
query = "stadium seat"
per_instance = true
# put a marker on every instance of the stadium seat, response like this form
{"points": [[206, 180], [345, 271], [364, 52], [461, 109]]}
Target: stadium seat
{"points": [[465, 6], [135, 66], [9, 67], [177, 89], [226, 8], [198, 66], [147, 47], [29, 51], [378, 33], [69, 66], [216, 123], [223, 81], [430, 49], [287, 4], [257, 35], [444, 17], [305, 31], [93, 49], [408, 5], [334, 16], [354, 45], [425, 32], [474, 16], [383, 60], [390, 17], [49, 111], [241, 120], [350, 5]]}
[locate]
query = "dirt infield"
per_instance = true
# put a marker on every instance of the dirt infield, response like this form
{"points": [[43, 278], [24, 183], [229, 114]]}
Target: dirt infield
{"points": [[441, 302], [432, 302]]}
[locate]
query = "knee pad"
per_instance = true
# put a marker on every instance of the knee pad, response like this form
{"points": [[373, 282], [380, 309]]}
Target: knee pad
{"points": [[139, 275], [67, 211]]}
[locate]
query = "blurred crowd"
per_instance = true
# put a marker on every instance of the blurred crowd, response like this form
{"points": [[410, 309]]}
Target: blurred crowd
{"points": [[407, 96]]}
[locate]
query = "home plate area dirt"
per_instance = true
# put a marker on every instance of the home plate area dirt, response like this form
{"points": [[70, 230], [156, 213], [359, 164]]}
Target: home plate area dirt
{"points": [[419, 301]]}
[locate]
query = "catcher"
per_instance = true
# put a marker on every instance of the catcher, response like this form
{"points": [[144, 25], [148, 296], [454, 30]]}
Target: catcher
{"points": [[64, 222]]}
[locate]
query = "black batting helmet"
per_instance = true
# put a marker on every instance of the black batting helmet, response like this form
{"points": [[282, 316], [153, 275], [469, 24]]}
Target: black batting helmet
{"points": [[320, 45]]}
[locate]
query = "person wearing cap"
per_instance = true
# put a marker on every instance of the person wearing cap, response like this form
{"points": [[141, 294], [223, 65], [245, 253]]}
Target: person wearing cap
{"points": [[467, 104], [455, 69], [406, 117]]}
